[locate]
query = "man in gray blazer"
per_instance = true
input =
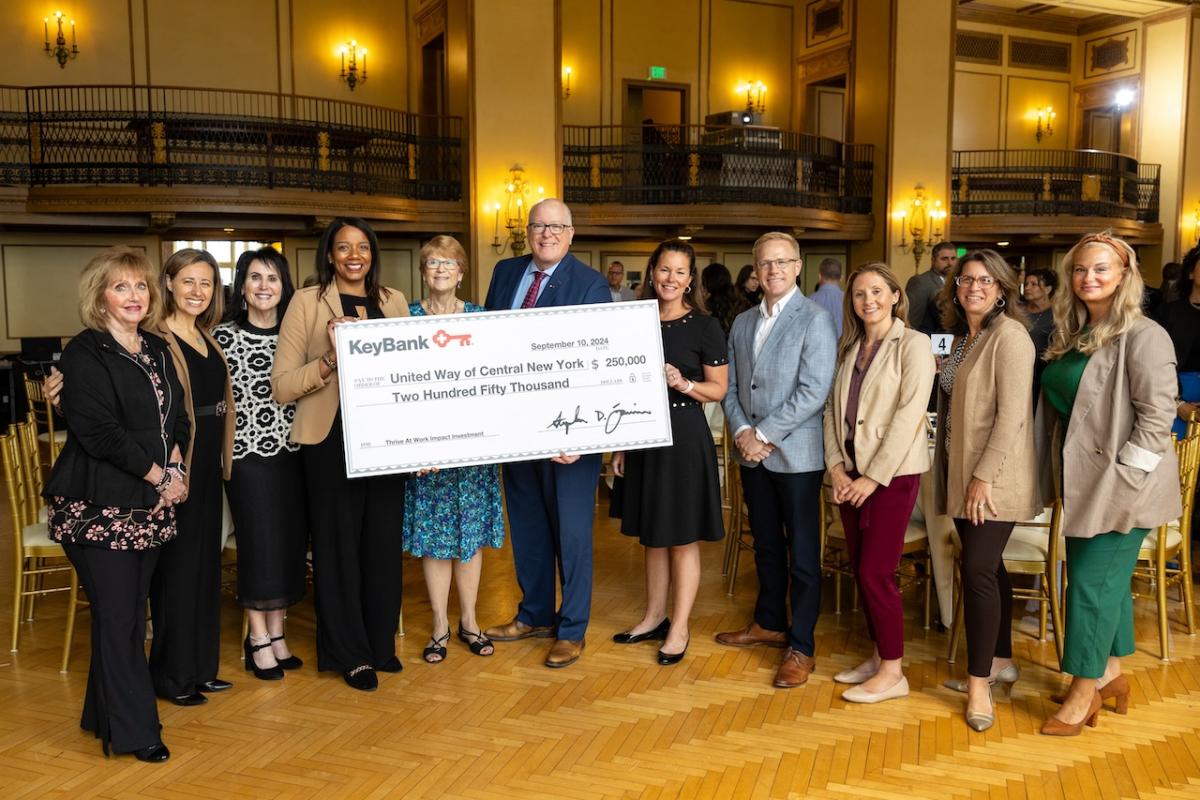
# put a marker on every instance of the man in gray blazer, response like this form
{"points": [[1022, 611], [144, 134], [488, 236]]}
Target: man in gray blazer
{"points": [[922, 289], [782, 354]]}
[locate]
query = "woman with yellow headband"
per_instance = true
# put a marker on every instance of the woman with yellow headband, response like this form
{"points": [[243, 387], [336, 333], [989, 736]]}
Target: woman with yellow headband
{"points": [[1108, 399]]}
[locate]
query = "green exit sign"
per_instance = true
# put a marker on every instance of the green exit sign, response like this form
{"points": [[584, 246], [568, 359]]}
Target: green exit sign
{"points": [[658, 73]]}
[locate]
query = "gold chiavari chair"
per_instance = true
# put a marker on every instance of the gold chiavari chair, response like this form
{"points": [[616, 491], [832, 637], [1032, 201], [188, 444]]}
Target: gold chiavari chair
{"points": [[39, 406], [1166, 554], [32, 546]]}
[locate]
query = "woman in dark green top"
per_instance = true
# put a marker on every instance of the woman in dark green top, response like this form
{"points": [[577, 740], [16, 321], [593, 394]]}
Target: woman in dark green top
{"points": [[1108, 394]]}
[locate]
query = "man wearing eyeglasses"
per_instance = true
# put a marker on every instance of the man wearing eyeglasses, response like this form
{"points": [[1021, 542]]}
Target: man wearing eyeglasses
{"points": [[616, 283], [782, 354], [549, 502]]}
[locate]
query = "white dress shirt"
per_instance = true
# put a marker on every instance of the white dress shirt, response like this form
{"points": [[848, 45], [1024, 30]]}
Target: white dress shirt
{"points": [[769, 318]]}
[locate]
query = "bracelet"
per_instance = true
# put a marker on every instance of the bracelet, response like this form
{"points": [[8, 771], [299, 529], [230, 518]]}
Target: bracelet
{"points": [[689, 388], [329, 362], [164, 482]]}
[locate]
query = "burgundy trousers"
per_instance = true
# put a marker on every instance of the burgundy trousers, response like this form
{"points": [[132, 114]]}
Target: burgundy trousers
{"points": [[874, 540]]}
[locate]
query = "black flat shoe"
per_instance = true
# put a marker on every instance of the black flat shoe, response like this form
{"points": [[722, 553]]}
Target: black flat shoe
{"points": [[659, 633], [274, 673], [193, 699], [291, 662], [154, 754], [476, 641], [215, 685], [435, 652], [392, 665], [667, 659], [362, 678]]}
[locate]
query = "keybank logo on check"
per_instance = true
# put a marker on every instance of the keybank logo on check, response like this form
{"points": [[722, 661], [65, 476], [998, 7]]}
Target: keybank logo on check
{"points": [[441, 339]]}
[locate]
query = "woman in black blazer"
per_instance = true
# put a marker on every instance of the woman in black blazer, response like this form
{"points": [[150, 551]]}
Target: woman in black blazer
{"points": [[112, 494]]}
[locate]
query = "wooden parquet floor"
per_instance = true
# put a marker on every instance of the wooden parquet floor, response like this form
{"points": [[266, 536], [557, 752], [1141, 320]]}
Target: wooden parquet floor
{"points": [[614, 725]]}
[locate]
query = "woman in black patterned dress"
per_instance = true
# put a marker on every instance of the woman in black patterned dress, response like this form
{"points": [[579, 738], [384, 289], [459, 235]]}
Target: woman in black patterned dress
{"points": [[670, 497], [271, 527]]}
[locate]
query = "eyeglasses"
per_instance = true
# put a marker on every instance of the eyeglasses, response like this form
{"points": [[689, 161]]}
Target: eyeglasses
{"points": [[772, 263], [983, 281], [554, 227], [435, 263], [345, 249]]}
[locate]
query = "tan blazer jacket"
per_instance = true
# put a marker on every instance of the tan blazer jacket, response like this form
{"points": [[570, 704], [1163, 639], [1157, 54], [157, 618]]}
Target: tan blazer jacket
{"points": [[992, 417], [889, 439], [1117, 468], [303, 339], [182, 371]]}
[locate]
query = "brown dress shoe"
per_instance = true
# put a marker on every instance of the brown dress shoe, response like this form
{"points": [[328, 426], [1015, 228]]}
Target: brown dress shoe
{"points": [[794, 670], [752, 635], [515, 629], [564, 653]]}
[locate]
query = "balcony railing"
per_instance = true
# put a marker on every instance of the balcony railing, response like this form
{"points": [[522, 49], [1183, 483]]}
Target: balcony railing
{"points": [[685, 164], [155, 136], [1083, 183]]}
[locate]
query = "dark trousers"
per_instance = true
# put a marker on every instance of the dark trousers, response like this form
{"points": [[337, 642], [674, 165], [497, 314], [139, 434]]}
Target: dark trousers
{"points": [[185, 599], [874, 541], [356, 526], [784, 520], [987, 593], [119, 706], [550, 509]]}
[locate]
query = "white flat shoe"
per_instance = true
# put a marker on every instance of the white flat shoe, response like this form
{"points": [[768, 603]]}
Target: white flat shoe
{"points": [[857, 675], [856, 694]]}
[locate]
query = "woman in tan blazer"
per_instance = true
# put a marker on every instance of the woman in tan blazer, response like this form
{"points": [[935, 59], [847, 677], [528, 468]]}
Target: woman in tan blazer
{"points": [[355, 524], [1108, 401], [984, 463], [876, 450], [185, 593]]}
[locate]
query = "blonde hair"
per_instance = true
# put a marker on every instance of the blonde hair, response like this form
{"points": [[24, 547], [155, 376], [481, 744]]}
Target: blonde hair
{"points": [[776, 236], [99, 273], [853, 329], [1070, 313]]}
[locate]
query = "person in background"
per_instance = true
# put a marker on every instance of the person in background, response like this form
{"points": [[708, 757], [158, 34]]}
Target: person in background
{"points": [[984, 462], [720, 298], [1106, 450], [185, 594], [271, 527], [356, 552], [829, 291], [923, 290], [1181, 319], [748, 290], [1039, 286], [876, 450], [1171, 273], [451, 514], [670, 497], [782, 355], [616, 283], [112, 493]]}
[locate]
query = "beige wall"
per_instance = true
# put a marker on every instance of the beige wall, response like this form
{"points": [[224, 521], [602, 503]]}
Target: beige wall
{"points": [[1166, 59], [103, 35]]}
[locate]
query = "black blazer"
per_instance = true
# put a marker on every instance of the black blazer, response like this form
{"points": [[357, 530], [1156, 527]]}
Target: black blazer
{"points": [[112, 415]]}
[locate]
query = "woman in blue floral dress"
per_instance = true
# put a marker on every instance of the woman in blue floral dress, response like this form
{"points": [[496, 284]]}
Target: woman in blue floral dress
{"points": [[451, 514]]}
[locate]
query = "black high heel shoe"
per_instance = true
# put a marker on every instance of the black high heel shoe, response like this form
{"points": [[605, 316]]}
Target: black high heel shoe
{"points": [[291, 662], [659, 633], [667, 659], [274, 673]]}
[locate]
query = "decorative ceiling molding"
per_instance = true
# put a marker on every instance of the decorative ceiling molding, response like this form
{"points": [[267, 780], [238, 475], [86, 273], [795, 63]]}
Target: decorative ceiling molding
{"points": [[825, 64]]}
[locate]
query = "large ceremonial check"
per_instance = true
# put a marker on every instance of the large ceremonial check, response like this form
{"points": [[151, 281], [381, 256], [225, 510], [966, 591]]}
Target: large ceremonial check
{"points": [[482, 388]]}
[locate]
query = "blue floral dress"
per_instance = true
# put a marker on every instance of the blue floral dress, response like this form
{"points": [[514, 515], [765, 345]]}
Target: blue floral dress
{"points": [[454, 512]]}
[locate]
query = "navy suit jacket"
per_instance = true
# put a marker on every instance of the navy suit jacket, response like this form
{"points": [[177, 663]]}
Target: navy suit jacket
{"points": [[573, 283]]}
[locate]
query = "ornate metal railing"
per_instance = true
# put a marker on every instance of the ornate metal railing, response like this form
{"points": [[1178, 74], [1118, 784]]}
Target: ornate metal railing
{"points": [[179, 136], [1084, 183], [682, 164]]}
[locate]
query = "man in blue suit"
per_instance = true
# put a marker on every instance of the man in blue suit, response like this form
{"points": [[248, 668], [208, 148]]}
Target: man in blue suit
{"points": [[781, 361], [549, 502]]}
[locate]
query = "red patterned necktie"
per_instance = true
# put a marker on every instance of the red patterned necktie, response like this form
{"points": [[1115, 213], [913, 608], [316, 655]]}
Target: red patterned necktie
{"points": [[532, 295]]}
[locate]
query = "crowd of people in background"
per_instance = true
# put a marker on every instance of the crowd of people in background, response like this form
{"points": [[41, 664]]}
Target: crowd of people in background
{"points": [[1057, 386]]}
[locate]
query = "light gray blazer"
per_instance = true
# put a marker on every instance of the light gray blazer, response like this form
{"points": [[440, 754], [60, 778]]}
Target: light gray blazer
{"points": [[783, 391]]}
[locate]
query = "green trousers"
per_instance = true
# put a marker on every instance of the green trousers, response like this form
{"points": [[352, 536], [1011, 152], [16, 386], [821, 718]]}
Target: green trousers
{"points": [[1099, 602]]}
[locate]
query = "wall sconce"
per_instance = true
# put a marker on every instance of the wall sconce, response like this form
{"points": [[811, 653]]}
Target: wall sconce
{"points": [[924, 220], [1196, 223], [519, 192], [566, 82], [60, 50], [1045, 123], [1123, 98], [352, 73], [756, 96]]}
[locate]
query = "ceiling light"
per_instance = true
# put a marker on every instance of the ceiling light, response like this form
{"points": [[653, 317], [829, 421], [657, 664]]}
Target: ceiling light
{"points": [[1002, 244]]}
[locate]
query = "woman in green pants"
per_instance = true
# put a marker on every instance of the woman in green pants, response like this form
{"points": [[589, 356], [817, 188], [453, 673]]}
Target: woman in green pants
{"points": [[1105, 441]]}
